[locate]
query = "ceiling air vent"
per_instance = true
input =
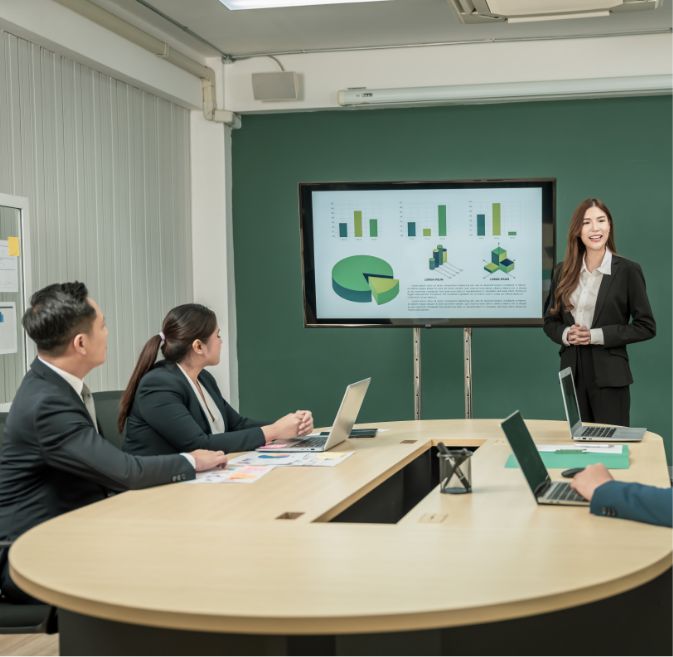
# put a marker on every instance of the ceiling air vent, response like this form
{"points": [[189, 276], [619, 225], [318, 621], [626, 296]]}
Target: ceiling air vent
{"points": [[515, 11]]}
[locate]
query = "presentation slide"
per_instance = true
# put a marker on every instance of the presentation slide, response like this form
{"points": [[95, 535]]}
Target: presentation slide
{"points": [[428, 253]]}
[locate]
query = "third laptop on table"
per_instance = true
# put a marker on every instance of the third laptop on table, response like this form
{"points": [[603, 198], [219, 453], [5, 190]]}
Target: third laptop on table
{"points": [[596, 432]]}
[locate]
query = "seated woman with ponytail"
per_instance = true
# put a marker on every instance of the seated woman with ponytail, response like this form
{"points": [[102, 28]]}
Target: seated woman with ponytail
{"points": [[175, 405]]}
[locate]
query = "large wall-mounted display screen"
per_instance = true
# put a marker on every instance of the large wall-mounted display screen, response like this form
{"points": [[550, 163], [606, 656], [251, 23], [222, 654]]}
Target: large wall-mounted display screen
{"points": [[452, 253]]}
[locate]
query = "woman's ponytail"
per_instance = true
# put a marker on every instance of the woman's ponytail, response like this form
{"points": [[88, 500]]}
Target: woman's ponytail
{"points": [[146, 359]]}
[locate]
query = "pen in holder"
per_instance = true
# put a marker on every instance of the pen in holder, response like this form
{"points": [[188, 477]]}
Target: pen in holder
{"points": [[455, 469]]}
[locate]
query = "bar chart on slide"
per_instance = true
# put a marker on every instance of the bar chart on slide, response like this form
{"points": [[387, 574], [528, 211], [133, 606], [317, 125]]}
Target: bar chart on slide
{"points": [[355, 225], [411, 226], [487, 221], [425, 221]]}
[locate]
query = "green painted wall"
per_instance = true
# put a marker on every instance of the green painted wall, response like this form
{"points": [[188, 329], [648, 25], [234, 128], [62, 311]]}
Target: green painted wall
{"points": [[618, 150]]}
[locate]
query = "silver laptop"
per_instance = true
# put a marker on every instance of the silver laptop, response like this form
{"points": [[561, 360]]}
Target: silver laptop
{"points": [[596, 432], [341, 429], [545, 491]]}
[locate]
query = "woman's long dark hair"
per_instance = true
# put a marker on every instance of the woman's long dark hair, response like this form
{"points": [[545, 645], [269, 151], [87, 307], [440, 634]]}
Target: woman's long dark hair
{"points": [[180, 328], [575, 250]]}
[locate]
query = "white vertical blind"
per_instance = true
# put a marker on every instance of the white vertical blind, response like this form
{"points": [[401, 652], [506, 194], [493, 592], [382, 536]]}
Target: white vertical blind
{"points": [[105, 167]]}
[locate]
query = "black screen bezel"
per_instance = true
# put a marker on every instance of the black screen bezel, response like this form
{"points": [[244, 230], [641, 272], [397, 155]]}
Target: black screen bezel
{"points": [[548, 250]]}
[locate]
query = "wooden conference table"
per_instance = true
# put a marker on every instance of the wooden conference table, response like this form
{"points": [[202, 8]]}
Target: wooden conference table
{"points": [[365, 557]]}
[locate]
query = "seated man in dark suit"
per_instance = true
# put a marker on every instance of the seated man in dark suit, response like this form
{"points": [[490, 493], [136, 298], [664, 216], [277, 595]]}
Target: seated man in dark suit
{"points": [[53, 459], [620, 499]]}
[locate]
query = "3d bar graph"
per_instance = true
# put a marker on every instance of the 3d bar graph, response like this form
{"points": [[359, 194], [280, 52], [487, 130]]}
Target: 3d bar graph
{"points": [[439, 257], [499, 262]]}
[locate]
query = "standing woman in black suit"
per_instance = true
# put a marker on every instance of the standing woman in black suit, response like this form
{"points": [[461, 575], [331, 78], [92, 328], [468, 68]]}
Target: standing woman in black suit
{"points": [[597, 305]]}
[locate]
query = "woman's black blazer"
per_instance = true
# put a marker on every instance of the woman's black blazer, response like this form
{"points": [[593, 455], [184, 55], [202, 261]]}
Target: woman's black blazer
{"points": [[622, 311], [166, 417]]}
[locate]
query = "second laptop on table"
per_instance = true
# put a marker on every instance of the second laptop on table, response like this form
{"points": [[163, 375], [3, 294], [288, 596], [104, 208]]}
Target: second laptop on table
{"points": [[341, 429]]}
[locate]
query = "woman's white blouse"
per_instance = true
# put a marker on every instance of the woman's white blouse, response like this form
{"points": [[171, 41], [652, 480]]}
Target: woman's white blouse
{"points": [[585, 294], [210, 409]]}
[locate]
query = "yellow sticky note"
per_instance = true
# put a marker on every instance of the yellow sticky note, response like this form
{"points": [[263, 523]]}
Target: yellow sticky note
{"points": [[13, 247]]}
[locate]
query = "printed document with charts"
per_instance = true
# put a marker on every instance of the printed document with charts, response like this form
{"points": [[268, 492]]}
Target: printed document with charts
{"points": [[321, 459], [232, 474]]}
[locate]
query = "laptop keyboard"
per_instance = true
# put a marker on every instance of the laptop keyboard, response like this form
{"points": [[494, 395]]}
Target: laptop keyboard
{"points": [[599, 432], [562, 492], [314, 441]]}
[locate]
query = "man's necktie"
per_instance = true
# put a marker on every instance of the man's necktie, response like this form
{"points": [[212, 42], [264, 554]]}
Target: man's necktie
{"points": [[87, 398]]}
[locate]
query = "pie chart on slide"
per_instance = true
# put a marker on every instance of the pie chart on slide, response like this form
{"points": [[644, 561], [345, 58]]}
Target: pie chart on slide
{"points": [[364, 278]]}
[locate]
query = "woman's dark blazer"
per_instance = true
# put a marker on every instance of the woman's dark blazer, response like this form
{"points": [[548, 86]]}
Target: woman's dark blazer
{"points": [[622, 311], [166, 417]]}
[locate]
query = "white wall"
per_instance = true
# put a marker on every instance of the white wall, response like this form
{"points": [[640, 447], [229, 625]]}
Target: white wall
{"points": [[326, 73], [105, 169], [212, 247], [54, 26], [49, 23]]}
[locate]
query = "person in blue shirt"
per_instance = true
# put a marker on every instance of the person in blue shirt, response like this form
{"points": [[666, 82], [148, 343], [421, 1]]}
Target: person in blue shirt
{"points": [[619, 499]]}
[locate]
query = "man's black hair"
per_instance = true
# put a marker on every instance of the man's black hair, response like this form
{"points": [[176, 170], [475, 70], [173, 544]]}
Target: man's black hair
{"points": [[57, 313]]}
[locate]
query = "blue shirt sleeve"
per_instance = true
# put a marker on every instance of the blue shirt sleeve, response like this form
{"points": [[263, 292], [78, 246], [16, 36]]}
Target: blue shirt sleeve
{"points": [[632, 501]]}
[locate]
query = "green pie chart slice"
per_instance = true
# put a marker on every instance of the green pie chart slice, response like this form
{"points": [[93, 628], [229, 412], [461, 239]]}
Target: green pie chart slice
{"points": [[356, 278], [384, 289]]}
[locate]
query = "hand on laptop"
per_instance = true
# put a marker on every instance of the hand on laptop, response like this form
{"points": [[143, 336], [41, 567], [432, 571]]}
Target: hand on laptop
{"points": [[306, 423], [578, 335], [289, 426], [587, 481]]}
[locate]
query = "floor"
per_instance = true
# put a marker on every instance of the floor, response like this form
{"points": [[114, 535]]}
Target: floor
{"points": [[28, 644]]}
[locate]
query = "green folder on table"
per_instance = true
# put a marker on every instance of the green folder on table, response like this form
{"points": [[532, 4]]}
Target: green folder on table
{"points": [[569, 458]]}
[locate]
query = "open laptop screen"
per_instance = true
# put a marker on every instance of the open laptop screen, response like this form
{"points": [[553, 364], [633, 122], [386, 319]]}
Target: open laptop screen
{"points": [[569, 397], [525, 451]]}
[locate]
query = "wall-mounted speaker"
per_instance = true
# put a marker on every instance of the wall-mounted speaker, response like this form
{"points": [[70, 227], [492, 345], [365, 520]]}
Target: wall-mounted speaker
{"points": [[281, 85]]}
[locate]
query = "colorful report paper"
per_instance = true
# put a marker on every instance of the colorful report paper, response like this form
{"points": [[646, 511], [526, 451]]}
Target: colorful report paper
{"points": [[232, 474], [319, 459]]}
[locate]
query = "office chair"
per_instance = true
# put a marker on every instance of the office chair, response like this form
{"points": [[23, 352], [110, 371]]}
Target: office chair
{"points": [[23, 619], [3, 418], [26, 619], [107, 410]]}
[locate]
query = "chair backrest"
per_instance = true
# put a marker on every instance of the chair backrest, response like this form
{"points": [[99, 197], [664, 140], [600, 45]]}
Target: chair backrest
{"points": [[27, 619], [107, 411], [24, 618], [3, 417]]}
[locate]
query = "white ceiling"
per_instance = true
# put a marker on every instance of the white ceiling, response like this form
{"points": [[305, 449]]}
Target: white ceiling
{"points": [[337, 27]]}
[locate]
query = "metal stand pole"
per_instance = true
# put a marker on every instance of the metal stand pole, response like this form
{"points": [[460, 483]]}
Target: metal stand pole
{"points": [[417, 373], [467, 362]]}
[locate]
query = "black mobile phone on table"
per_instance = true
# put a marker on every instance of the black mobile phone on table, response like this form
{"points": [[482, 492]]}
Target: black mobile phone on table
{"points": [[357, 433]]}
